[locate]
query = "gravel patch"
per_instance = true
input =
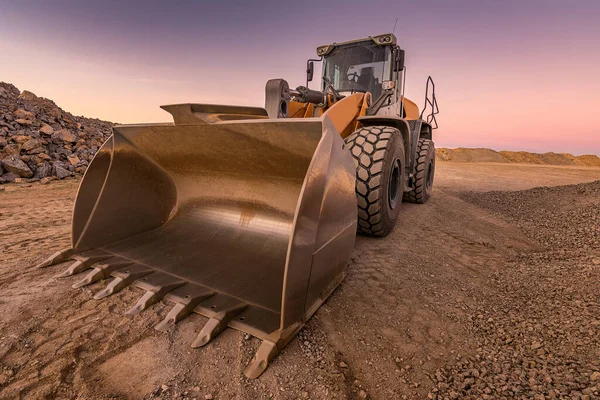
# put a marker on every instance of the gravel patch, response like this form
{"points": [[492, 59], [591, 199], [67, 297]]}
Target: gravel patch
{"points": [[538, 336]]}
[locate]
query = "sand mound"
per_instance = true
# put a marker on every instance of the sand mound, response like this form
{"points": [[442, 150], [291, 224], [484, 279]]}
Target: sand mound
{"points": [[469, 155], [488, 155]]}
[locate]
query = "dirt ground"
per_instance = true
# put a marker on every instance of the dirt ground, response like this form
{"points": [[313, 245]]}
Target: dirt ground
{"points": [[491, 290]]}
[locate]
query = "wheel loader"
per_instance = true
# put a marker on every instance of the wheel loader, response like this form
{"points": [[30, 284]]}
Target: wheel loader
{"points": [[248, 216]]}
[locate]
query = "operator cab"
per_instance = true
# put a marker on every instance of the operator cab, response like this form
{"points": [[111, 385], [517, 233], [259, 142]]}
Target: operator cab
{"points": [[358, 67], [363, 66]]}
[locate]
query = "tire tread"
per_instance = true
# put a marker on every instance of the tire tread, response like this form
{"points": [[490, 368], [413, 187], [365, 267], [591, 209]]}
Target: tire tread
{"points": [[370, 143], [417, 194]]}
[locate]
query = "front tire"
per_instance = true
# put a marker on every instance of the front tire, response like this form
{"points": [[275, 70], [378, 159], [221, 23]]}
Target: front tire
{"points": [[378, 153]]}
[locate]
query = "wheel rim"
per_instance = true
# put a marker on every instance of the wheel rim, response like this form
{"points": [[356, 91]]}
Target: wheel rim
{"points": [[429, 181], [394, 184]]}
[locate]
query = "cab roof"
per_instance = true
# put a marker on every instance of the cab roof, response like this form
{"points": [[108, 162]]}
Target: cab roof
{"points": [[387, 39]]}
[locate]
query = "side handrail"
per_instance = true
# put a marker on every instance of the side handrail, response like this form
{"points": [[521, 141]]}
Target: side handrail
{"points": [[431, 101]]}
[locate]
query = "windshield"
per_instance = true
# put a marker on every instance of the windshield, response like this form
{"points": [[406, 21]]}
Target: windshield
{"points": [[358, 67]]}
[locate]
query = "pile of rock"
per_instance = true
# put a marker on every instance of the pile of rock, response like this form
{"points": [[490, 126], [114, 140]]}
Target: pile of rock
{"points": [[40, 141], [538, 337]]}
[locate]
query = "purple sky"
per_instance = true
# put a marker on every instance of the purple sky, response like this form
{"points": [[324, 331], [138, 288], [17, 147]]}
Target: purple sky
{"points": [[518, 75]]}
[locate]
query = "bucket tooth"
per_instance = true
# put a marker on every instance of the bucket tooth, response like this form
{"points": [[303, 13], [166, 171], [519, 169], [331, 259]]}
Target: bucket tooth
{"points": [[123, 279], [56, 258], [114, 286], [177, 312], [75, 268], [94, 276], [102, 270], [259, 363], [183, 307], [83, 262], [144, 302], [157, 286], [217, 324]]}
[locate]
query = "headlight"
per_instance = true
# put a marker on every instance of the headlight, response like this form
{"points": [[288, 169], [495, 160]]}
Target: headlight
{"points": [[384, 40], [321, 51]]}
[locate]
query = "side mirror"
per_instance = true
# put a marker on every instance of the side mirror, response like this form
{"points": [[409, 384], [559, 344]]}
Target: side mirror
{"points": [[310, 70], [399, 60]]}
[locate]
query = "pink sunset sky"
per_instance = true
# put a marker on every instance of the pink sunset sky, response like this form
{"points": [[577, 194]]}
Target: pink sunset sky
{"points": [[510, 75]]}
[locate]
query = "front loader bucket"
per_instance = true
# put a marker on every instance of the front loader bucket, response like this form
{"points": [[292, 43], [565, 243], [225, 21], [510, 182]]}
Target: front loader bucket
{"points": [[245, 220]]}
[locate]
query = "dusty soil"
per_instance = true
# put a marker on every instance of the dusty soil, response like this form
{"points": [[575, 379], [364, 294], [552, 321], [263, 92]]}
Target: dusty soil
{"points": [[488, 291]]}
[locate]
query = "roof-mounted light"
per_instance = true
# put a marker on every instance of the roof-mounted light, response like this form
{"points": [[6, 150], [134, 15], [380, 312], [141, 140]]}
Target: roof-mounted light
{"points": [[323, 50], [384, 40]]}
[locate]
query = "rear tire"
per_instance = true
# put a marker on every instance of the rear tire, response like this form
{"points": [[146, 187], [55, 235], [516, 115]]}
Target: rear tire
{"points": [[424, 173], [378, 153]]}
